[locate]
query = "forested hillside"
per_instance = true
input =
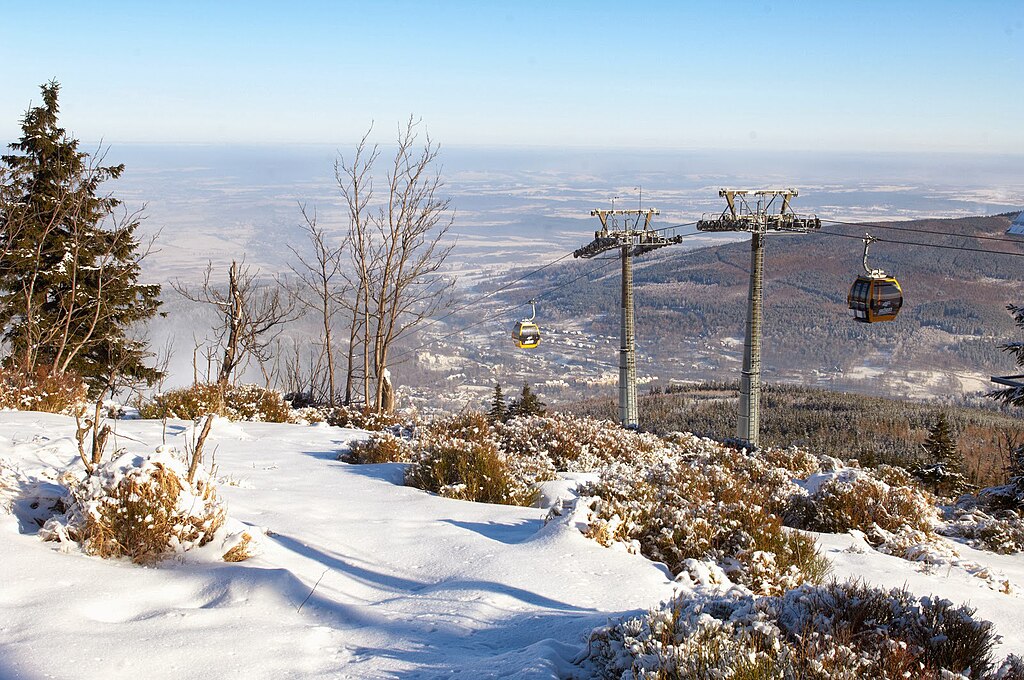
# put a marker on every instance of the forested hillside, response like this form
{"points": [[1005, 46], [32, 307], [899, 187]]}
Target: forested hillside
{"points": [[848, 426], [691, 307]]}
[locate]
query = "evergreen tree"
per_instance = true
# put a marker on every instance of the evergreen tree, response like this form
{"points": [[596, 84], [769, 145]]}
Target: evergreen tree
{"points": [[939, 445], [69, 288], [528, 404], [498, 411], [944, 469]]}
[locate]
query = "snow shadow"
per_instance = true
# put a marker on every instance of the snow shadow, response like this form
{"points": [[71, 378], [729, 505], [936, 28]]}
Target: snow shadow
{"points": [[330, 455], [392, 473], [485, 634], [508, 534], [335, 562], [528, 646], [36, 502], [405, 586]]}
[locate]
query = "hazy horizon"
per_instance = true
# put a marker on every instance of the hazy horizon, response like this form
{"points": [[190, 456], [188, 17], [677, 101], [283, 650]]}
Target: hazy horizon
{"points": [[217, 202]]}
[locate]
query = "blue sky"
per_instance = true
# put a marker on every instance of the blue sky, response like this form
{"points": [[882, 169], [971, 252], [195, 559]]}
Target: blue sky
{"points": [[827, 75]]}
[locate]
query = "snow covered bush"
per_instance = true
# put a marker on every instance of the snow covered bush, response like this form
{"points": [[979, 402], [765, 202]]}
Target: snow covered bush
{"points": [[141, 507], [186, 403], [41, 391], [710, 502], [572, 443], [470, 425], [853, 499], [992, 519], [986, 525], [474, 470], [237, 402], [380, 447], [1012, 668], [799, 463], [257, 404], [362, 418], [835, 632]]}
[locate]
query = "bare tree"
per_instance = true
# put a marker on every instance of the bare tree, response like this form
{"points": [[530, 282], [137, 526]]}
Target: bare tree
{"points": [[397, 249], [356, 183], [323, 278], [252, 315]]}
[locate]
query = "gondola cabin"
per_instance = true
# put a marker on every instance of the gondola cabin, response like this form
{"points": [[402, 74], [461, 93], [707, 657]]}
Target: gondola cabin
{"points": [[875, 298], [526, 335]]}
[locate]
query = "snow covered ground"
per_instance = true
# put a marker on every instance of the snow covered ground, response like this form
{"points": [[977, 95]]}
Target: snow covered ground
{"points": [[360, 577]]}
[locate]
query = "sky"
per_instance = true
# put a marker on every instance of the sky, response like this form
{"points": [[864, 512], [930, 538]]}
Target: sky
{"points": [[825, 76]]}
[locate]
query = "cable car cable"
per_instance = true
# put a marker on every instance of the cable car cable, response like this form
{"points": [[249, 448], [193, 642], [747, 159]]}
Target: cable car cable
{"points": [[503, 310], [925, 245], [507, 308], [925, 231], [494, 292]]}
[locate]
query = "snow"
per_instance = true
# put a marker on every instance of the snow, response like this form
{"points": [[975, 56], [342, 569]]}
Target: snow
{"points": [[406, 583], [359, 577]]}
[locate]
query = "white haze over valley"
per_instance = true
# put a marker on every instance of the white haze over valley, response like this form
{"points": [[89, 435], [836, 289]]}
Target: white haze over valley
{"points": [[513, 208]]}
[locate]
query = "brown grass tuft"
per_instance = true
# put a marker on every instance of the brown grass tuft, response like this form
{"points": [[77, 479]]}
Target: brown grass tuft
{"points": [[241, 551]]}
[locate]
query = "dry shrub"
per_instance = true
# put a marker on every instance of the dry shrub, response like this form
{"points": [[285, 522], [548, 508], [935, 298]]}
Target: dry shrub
{"points": [[41, 390], [380, 447], [307, 414], [572, 443], [361, 418], [142, 508], [257, 404], [799, 463], [187, 403], [469, 425], [238, 402], [471, 470], [854, 500], [457, 457], [243, 549], [840, 631], [893, 475]]}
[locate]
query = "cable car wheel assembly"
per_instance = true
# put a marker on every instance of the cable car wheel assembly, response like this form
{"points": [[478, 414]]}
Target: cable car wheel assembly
{"points": [[874, 296]]}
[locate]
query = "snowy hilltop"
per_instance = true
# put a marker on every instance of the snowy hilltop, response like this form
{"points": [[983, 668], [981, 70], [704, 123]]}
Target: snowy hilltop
{"points": [[346, 572]]}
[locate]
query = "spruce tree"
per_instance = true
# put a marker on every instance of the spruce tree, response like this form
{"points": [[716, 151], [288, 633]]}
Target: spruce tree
{"points": [[69, 290], [498, 411], [528, 404], [943, 470]]}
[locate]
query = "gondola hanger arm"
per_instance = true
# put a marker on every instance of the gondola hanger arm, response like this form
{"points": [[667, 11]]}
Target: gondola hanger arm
{"points": [[874, 273]]}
